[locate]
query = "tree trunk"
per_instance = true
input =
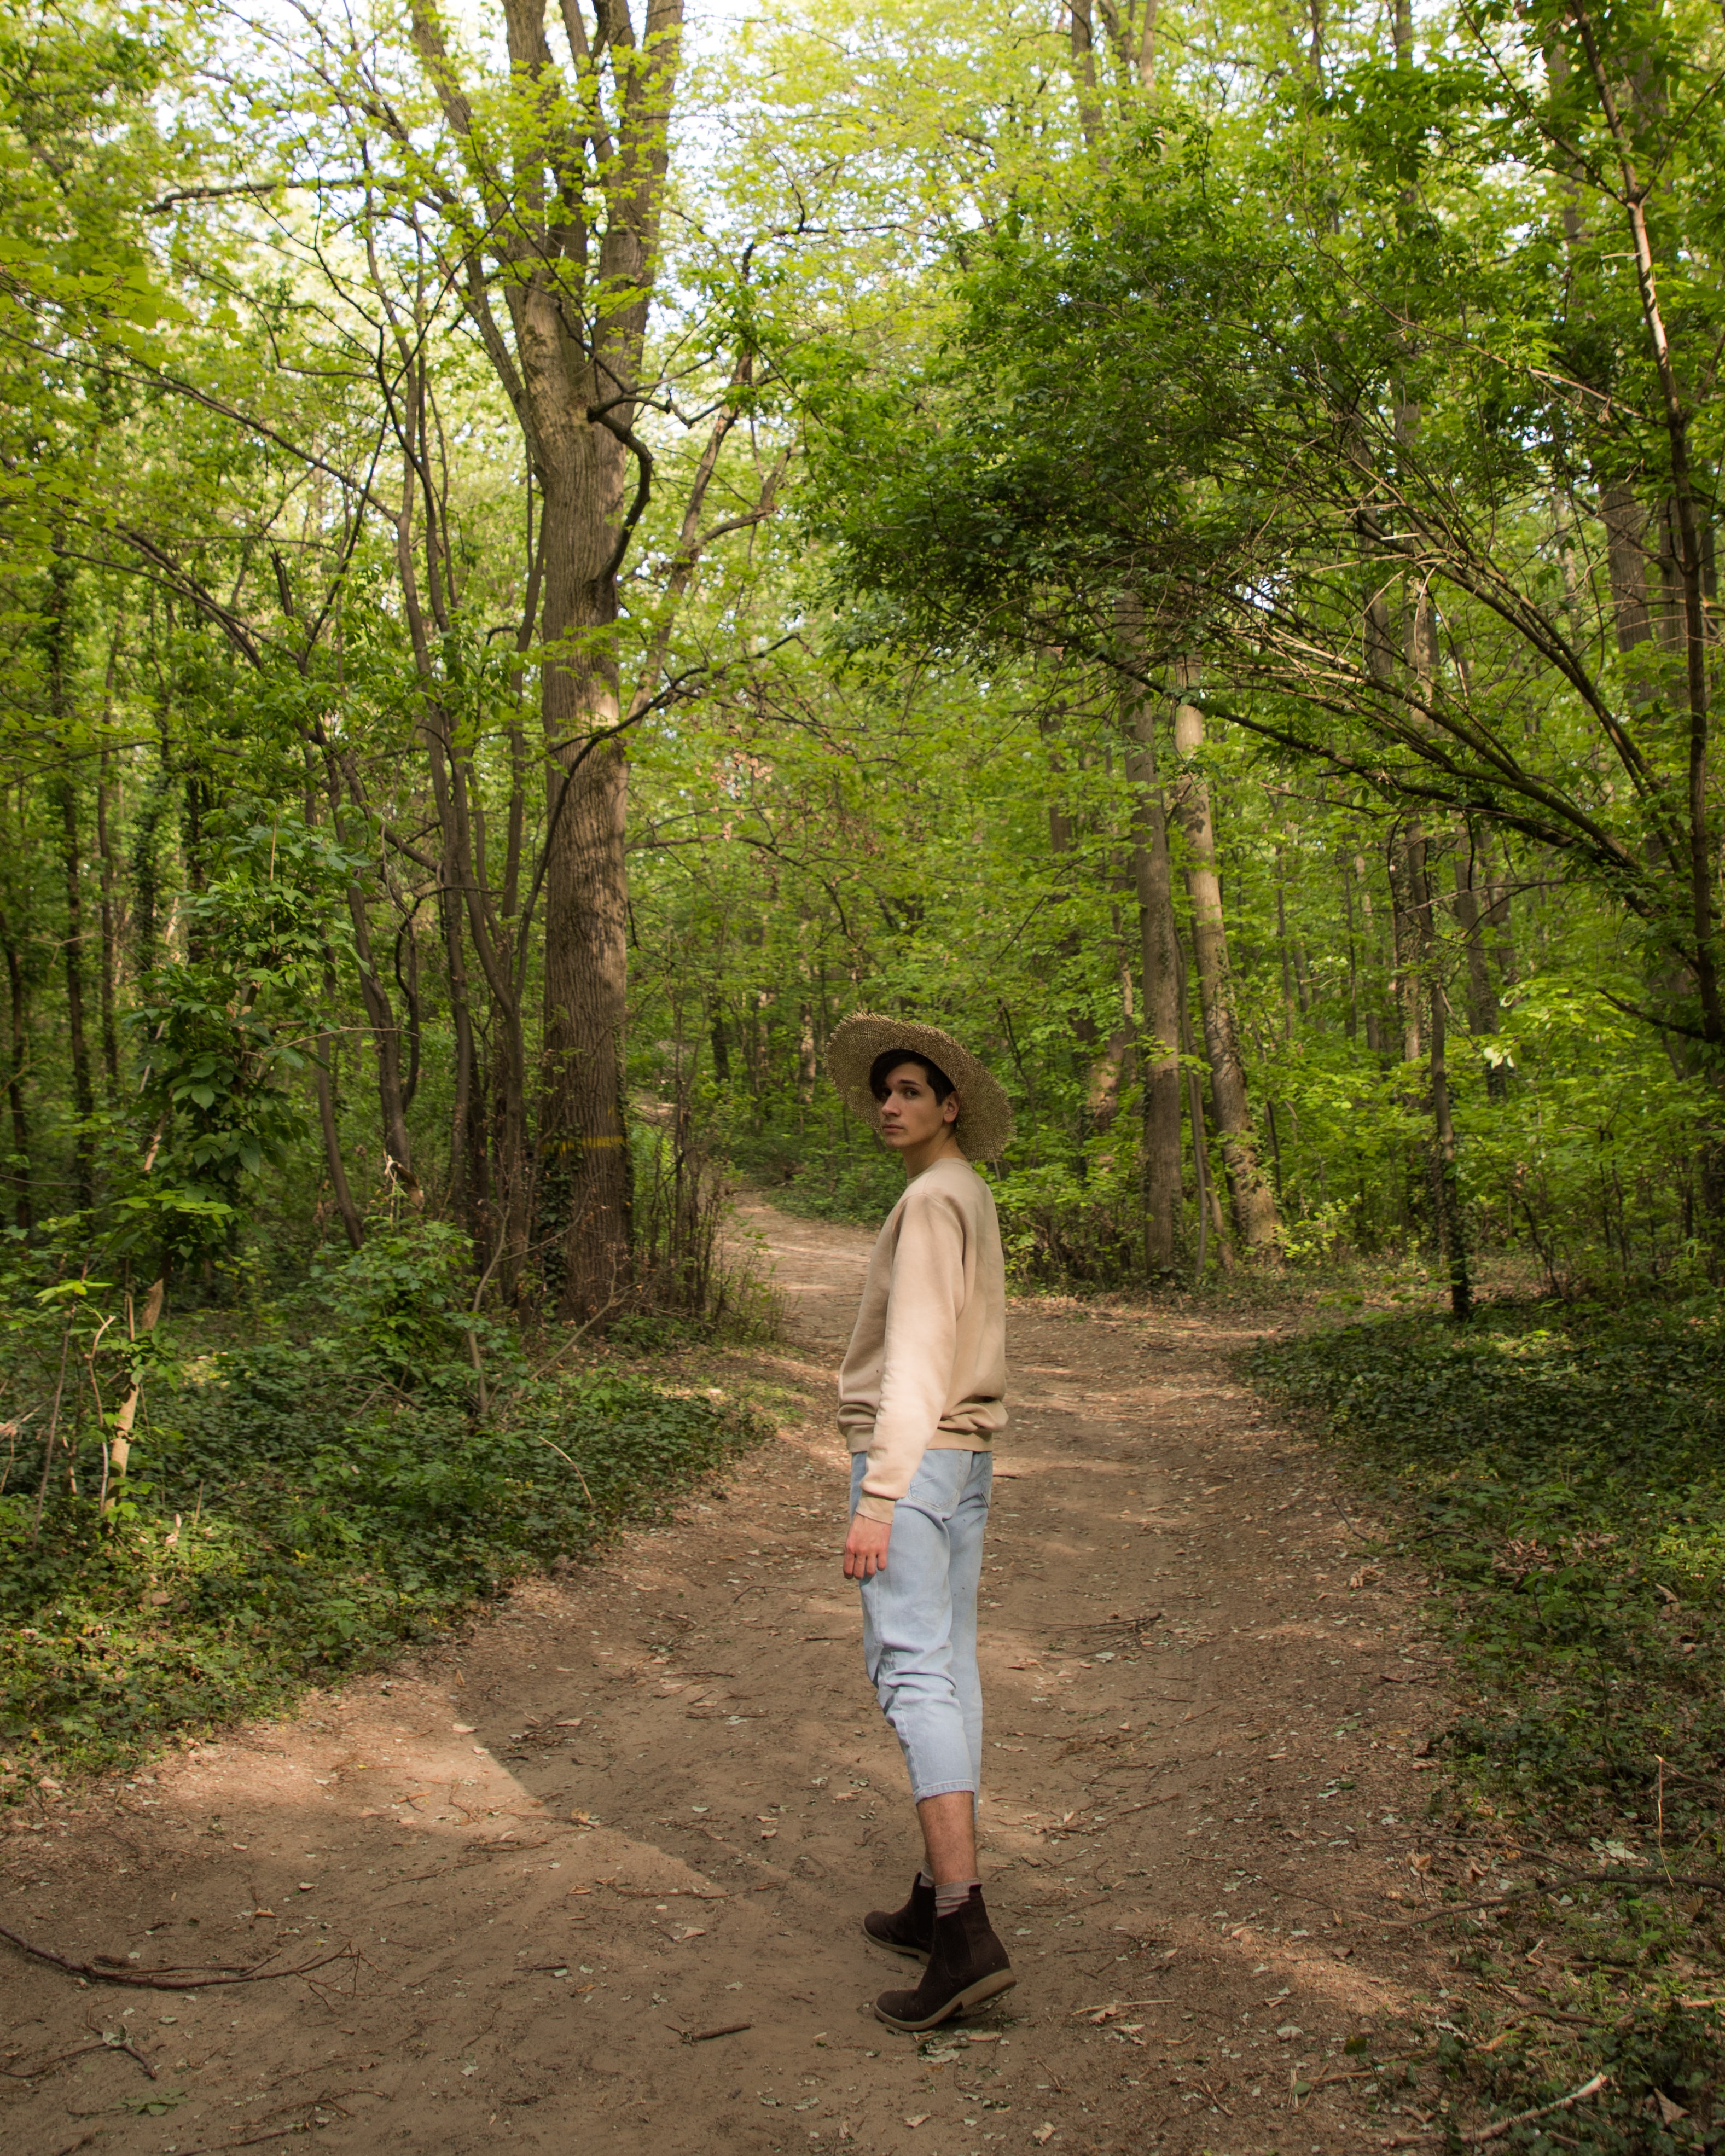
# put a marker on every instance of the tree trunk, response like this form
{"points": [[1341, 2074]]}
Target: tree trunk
{"points": [[1159, 960], [465, 1196], [110, 929], [1446, 1191], [1281, 945], [1353, 949], [343, 781], [83, 1091], [64, 792], [577, 294], [583, 1143], [808, 1060], [1687, 515], [1208, 1205], [1407, 877], [351, 1224], [1061, 834], [1254, 1202], [1494, 914], [16, 1060], [1132, 35], [1481, 998], [120, 1444], [386, 1047], [1081, 42]]}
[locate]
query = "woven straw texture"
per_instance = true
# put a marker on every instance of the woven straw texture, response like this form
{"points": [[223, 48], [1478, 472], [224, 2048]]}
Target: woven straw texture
{"points": [[984, 1113]]}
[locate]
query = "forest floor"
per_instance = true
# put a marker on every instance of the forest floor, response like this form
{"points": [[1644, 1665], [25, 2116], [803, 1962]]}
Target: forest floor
{"points": [[543, 1893]]}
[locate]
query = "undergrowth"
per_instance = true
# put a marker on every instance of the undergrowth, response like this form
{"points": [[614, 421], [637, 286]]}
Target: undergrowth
{"points": [[316, 1497], [1560, 1475]]}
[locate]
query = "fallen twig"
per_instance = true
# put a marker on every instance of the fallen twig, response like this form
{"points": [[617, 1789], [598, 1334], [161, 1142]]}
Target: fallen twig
{"points": [[250, 2140], [1499, 2127], [1355, 2074], [1120, 2006], [469, 1854], [1455, 1909], [706, 2036], [1710, 1881], [167, 1979], [1116, 1626], [666, 1893], [61, 2058], [1547, 2013]]}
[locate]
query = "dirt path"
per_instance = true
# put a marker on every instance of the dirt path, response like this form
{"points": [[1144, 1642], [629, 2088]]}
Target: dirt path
{"points": [[650, 1800]]}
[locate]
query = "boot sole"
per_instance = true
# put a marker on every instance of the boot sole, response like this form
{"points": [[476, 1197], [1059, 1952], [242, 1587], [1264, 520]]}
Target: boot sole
{"points": [[892, 1946], [974, 1995]]}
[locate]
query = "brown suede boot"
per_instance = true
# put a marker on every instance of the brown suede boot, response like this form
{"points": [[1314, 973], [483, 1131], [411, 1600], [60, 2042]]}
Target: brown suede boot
{"points": [[967, 1965], [906, 1930]]}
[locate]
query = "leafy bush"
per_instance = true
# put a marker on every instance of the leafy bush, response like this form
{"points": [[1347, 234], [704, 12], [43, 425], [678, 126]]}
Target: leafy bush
{"points": [[1566, 1484], [315, 1497]]}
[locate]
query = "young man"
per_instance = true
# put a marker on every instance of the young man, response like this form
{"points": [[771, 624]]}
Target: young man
{"points": [[920, 1395]]}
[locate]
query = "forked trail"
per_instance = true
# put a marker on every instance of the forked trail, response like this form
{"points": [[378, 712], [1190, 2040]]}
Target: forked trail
{"points": [[650, 1799]]}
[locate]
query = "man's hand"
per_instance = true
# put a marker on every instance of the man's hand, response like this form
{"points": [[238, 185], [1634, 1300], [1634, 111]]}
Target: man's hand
{"points": [[866, 1547]]}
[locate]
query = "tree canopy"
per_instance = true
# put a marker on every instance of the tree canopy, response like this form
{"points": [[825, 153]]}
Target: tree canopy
{"points": [[549, 559]]}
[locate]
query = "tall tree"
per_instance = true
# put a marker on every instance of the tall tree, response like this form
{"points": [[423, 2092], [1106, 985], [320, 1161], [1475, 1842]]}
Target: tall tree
{"points": [[1160, 968], [1254, 1214], [567, 199]]}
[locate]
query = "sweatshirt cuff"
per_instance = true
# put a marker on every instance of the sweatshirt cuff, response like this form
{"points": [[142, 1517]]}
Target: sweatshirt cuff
{"points": [[878, 1509]]}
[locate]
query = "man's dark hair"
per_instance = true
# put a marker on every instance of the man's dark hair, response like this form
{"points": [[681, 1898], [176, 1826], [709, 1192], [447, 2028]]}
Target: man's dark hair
{"points": [[883, 1066]]}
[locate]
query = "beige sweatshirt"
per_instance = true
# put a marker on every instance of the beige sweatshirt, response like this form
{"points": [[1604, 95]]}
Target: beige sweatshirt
{"points": [[927, 1363]]}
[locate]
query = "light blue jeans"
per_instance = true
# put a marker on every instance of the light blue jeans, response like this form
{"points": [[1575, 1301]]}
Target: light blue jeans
{"points": [[919, 1620]]}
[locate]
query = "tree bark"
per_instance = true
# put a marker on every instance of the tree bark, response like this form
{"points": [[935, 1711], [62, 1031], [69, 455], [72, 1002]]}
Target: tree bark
{"points": [[1686, 517], [16, 1104], [1159, 957], [1132, 35], [351, 1224], [1483, 1010], [1494, 914], [1081, 42], [386, 1048], [1208, 1205], [110, 929], [577, 294], [1254, 1214], [1446, 1194], [83, 1091], [343, 785], [64, 793], [1407, 877], [1450, 1233]]}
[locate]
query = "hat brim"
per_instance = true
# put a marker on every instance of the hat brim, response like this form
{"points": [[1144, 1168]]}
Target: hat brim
{"points": [[984, 1123]]}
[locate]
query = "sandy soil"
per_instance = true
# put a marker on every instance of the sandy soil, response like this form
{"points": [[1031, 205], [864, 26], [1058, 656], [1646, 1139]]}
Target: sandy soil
{"points": [[648, 1800]]}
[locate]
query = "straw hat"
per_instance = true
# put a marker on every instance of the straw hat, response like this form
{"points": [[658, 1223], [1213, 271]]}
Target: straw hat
{"points": [[984, 1121]]}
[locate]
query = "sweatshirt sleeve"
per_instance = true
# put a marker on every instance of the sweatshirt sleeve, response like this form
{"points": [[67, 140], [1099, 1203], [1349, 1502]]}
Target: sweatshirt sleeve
{"points": [[923, 1307]]}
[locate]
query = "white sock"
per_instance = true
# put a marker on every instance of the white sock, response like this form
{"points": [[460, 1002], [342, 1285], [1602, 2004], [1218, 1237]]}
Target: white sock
{"points": [[951, 1895], [924, 1880]]}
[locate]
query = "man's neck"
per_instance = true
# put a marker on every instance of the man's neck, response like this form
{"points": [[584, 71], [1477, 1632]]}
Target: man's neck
{"points": [[917, 1159]]}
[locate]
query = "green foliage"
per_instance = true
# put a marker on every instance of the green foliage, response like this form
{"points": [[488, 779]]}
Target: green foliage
{"points": [[222, 1033], [1660, 2057], [1559, 1474], [1562, 1475], [311, 1499]]}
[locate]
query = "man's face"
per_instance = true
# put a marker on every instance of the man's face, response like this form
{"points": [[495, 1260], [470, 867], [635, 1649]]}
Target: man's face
{"points": [[910, 1114]]}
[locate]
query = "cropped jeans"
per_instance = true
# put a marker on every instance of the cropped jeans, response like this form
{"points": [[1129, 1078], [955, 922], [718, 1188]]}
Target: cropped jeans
{"points": [[919, 1620]]}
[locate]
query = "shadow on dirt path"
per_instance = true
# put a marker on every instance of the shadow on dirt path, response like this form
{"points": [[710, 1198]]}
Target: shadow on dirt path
{"points": [[648, 1801]]}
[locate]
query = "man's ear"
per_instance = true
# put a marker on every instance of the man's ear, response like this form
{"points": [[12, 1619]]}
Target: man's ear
{"points": [[949, 1108]]}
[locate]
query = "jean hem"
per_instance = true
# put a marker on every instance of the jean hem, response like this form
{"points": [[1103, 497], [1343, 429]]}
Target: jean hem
{"points": [[943, 1789]]}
